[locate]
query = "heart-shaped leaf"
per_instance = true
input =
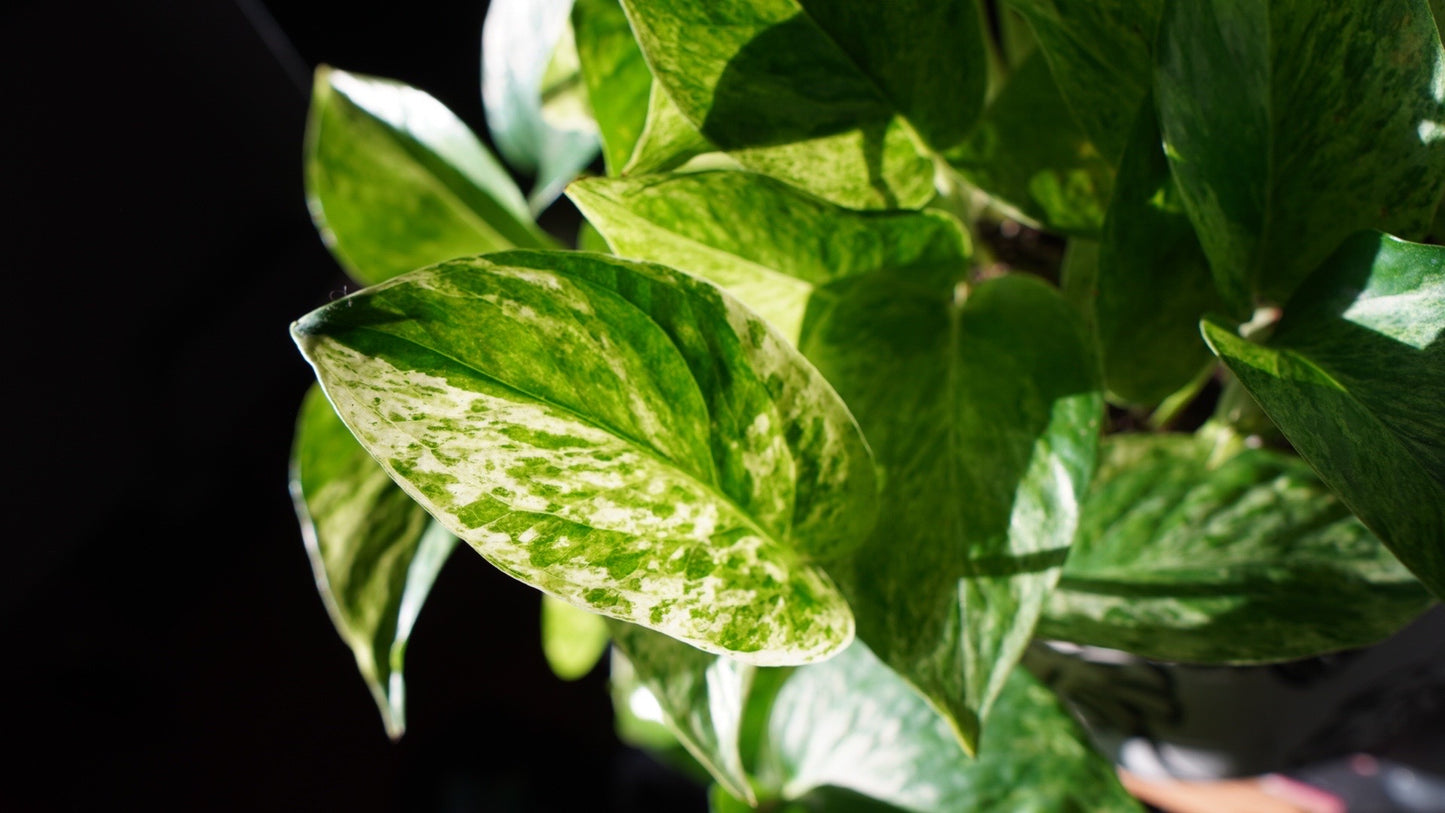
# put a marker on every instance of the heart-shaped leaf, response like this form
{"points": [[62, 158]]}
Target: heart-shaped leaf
{"points": [[396, 181], [1290, 124], [985, 415], [845, 100], [768, 244], [1185, 554], [622, 436], [1354, 375], [374, 551]]}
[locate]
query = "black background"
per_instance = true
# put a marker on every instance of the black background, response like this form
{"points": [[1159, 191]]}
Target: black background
{"points": [[164, 643]]}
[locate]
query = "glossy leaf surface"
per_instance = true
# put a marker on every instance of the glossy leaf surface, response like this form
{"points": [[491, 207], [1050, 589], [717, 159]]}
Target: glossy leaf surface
{"points": [[985, 416], [701, 698], [842, 99], [1292, 123], [1028, 152], [519, 39], [766, 243], [374, 551], [851, 724], [618, 80], [1246, 558], [1153, 283], [573, 639], [1100, 53], [396, 181], [1354, 375], [621, 436]]}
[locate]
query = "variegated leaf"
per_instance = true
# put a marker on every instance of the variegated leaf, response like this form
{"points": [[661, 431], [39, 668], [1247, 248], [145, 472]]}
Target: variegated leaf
{"points": [[1290, 124], [849, 734], [1193, 548], [374, 551], [1354, 375], [618, 81], [984, 412], [396, 181], [766, 243], [701, 699], [842, 99], [622, 436]]}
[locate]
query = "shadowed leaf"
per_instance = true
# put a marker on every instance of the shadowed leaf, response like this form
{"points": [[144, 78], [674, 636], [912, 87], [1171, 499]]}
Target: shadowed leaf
{"points": [[1354, 375]]}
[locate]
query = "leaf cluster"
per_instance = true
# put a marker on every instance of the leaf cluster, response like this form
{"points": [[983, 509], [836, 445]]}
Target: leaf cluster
{"points": [[805, 424]]}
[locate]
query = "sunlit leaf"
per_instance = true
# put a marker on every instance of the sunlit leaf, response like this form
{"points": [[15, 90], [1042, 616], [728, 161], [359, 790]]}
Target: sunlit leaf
{"points": [[374, 551], [1290, 124], [618, 81], [668, 140], [622, 436], [984, 414], [395, 181], [1354, 375], [766, 243], [519, 40], [1187, 554], [845, 100]]}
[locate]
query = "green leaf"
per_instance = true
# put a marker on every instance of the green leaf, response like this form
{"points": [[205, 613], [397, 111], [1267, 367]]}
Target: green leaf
{"points": [[519, 39], [851, 723], [845, 100], [1184, 557], [1153, 283], [1101, 55], [1027, 152], [573, 639], [395, 181], [622, 436], [1354, 375], [618, 81], [985, 415], [589, 239], [668, 140], [1290, 124], [701, 698], [375, 553], [769, 245]]}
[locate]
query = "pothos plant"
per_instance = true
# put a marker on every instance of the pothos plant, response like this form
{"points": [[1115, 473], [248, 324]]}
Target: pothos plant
{"points": [[898, 335]]}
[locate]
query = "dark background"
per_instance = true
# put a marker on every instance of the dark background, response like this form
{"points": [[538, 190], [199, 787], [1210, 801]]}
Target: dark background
{"points": [[164, 643]]}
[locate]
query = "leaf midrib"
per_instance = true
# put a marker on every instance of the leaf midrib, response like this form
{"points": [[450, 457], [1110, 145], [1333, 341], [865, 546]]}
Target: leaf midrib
{"points": [[642, 447]]}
